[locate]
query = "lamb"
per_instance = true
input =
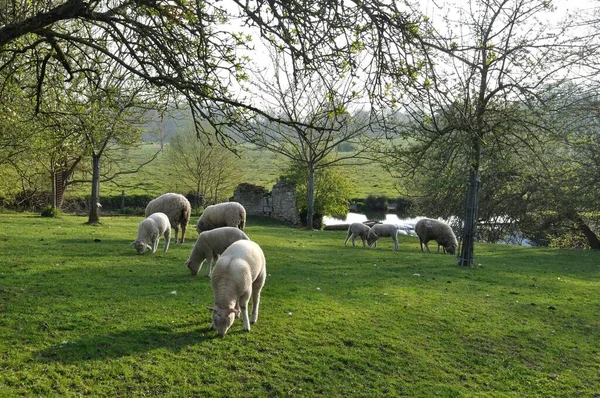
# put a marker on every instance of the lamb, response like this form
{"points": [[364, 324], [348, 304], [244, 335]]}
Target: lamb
{"points": [[239, 273], [380, 230], [357, 229], [176, 207], [428, 229], [149, 231], [210, 244], [227, 214]]}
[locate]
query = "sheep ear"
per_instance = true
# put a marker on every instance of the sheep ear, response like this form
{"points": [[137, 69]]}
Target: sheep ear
{"points": [[210, 308], [132, 243], [148, 247], [234, 310]]}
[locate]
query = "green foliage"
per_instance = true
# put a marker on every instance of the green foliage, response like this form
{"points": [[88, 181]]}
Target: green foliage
{"points": [[376, 203], [50, 211], [332, 190], [83, 315], [569, 240]]}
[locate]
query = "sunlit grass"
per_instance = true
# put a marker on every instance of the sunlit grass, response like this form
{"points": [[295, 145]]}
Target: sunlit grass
{"points": [[82, 314]]}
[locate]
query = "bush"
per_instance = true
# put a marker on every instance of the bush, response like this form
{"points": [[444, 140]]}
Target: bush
{"points": [[376, 203], [405, 207], [50, 211]]}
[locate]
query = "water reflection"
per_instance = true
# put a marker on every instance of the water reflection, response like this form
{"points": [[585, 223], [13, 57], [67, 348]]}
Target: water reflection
{"points": [[405, 224]]}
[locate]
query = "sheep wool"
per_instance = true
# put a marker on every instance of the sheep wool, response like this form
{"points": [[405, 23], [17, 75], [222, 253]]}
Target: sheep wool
{"points": [[239, 273], [176, 207], [210, 244], [149, 231], [227, 214], [428, 229], [357, 229], [381, 230]]}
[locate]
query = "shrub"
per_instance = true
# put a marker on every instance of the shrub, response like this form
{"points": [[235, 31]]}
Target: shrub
{"points": [[376, 203], [405, 207], [50, 211]]}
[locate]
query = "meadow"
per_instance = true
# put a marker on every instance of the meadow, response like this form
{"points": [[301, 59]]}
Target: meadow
{"points": [[83, 315], [258, 167]]}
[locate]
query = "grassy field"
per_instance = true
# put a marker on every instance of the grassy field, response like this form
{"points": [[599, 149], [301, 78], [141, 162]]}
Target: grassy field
{"points": [[83, 315], [259, 167]]}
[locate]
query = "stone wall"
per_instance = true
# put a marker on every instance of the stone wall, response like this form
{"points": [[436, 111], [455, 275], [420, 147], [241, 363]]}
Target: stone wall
{"points": [[279, 204]]}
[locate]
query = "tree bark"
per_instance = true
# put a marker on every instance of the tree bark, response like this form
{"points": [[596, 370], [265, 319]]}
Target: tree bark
{"points": [[68, 10], [94, 217], [591, 237], [310, 198]]}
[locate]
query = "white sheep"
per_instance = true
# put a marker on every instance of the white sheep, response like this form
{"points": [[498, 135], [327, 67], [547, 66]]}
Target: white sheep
{"points": [[210, 244], [428, 229], [380, 230], [149, 231], [228, 214], [239, 273], [176, 207], [357, 229]]}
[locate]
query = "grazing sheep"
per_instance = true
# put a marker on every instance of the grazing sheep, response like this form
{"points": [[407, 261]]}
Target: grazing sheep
{"points": [[149, 231], [176, 207], [380, 230], [228, 214], [357, 229], [239, 273], [210, 244], [428, 229]]}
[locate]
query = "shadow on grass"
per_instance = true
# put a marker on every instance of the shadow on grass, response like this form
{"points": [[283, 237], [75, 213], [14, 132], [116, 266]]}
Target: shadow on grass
{"points": [[125, 343]]}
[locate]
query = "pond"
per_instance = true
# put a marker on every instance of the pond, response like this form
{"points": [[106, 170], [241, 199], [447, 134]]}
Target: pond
{"points": [[407, 225]]}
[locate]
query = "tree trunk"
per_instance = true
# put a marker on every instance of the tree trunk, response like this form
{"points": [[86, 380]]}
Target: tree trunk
{"points": [[466, 255], [94, 217], [310, 198], [591, 237]]}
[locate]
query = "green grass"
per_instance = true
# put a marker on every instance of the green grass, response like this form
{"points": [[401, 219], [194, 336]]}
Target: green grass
{"points": [[83, 315], [259, 167]]}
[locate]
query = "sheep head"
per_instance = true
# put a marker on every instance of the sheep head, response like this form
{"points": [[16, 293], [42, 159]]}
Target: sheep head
{"points": [[222, 318]]}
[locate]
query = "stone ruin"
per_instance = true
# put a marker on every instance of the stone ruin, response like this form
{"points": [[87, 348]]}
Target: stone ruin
{"points": [[279, 204]]}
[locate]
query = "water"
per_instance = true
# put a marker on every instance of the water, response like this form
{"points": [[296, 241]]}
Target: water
{"points": [[406, 225]]}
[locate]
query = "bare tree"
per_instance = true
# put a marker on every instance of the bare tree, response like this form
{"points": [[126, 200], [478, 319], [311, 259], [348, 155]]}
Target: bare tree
{"points": [[185, 50], [319, 113], [209, 171], [493, 59]]}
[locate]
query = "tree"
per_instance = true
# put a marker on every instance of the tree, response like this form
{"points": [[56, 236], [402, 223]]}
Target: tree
{"points": [[331, 192], [315, 116], [477, 83], [184, 50], [209, 171]]}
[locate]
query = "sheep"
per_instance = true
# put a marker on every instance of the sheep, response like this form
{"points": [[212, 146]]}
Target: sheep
{"points": [[357, 229], [149, 231], [428, 229], [227, 214], [176, 207], [239, 273], [380, 230], [210, 244]]}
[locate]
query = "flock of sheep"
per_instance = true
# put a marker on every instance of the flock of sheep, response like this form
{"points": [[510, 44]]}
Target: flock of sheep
{"points": [[235, 264], [238, 264], [426, 229]]}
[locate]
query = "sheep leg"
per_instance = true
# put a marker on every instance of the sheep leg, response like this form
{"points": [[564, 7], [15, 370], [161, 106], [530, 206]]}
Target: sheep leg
{"points": [[183, 226], [176, 228], [257, 286], [155, 243], [395, 239], [243, 307], [167, 239], [347, 237], [427, 246]]}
